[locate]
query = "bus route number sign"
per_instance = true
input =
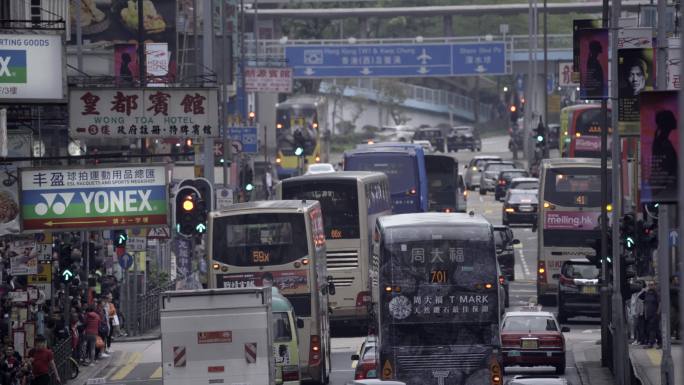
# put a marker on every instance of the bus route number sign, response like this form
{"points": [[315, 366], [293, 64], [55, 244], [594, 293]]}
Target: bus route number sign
{"points": [[439, 276], [259, 256]]}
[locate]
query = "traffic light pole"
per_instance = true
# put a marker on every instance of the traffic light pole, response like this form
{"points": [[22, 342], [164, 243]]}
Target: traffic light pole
{"points": [[606, 350], [665, 223]]}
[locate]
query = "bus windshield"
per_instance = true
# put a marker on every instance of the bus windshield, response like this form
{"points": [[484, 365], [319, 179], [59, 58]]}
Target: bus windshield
{"points": [[401, 169], [574, 186], [259, 239], [339, 204]]}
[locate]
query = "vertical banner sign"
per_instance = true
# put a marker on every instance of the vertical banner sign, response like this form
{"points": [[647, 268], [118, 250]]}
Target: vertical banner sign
{"points": [[157, 60], [268, 80], [565, 75], [125, 63], [578, 25], [636, 74], [593, 63], [90, 198], [659, 146], [183, 261]]}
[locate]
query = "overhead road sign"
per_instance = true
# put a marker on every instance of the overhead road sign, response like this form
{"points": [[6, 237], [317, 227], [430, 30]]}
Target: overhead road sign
{"points": [[396, 60], [244, 139]]}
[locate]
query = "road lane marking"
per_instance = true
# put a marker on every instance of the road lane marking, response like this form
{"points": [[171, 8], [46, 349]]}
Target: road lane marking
{"points": [[125, 370], [524, 263], [157, 373]]}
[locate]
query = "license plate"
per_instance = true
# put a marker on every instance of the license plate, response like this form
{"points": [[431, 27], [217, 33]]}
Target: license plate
{"points": [[525, 208], [529, 344], [589, 290], [514, 353]]}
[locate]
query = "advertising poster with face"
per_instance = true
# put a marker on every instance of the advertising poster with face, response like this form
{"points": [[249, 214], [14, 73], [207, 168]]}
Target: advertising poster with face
{"points": [[659, 146], [593, 64], [635, 75], [578, 25]]}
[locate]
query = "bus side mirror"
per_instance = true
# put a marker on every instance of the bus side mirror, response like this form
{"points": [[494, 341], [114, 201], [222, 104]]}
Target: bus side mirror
{"points": [[355, 357], [300, 323], [331, 288]]}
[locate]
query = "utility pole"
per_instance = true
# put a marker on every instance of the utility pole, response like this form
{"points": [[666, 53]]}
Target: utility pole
{"points": [[621, 362], [529, 91], [680, 195], [666, 222], [208, 64], [606, 348], [546, 80]]}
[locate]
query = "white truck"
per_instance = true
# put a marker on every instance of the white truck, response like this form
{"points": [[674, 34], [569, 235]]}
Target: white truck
{"points": [[217, 336]]}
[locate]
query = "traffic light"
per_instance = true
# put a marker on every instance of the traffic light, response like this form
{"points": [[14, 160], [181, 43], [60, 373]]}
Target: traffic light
{"points": [[119, 238], [247, 178], [597, 258], [299, 143], [628, 232], [514, 113], [193, 202], [251, 115], [540, 133]]}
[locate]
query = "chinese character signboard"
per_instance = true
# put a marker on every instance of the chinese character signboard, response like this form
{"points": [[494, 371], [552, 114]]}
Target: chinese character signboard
{"points": [[143, 113], [659, 146], [268, 80], [673, 68], [593, 63], [31, 68], [88, 198]]}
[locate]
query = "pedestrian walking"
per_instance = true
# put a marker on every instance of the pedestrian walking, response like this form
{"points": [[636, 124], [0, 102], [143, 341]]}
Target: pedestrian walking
{"points": [[636, 315], [42, 363], [103, 329], [652, 315], [92, 319], [10, 365]]}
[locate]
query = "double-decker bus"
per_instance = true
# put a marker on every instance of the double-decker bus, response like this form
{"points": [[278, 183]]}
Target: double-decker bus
{"points": [[436, 299], [350, 201], [306, 114], [285, 242], [569, 217], [404, 165], [580, 131]]}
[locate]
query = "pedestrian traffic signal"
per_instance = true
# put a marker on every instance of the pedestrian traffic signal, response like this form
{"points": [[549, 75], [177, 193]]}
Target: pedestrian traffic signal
{"points": [[67, 275], [193, 202], [299, 143], [628, 231]]}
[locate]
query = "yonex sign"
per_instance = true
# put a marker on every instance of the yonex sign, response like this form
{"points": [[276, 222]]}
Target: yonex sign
{"points": [[12, 66], [32, 68], [115, 197]]}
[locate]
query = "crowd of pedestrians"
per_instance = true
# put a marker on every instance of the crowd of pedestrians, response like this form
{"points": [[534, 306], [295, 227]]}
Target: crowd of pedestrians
{"points": [[93, 327], [644, 314]]}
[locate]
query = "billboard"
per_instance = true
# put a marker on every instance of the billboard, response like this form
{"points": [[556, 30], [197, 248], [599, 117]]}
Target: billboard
{"points": [[97, 197], [19, 144], [32, 68], [593, 63], [143, 113], [106, 23], [659, 146], [565, 75], [578, 25], [636, 73]]}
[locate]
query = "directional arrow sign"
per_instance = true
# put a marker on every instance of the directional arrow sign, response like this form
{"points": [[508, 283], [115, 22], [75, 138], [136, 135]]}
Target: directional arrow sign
{"points": [[674, 237], [201, 227], [67, 275]]}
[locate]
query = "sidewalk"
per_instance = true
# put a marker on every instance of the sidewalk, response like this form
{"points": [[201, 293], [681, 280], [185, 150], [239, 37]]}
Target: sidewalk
{"points": [[588, 363], [646, 364]]}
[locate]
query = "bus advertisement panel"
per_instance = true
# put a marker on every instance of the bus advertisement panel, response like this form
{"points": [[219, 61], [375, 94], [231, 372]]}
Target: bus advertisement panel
{"points": [[436, 295]]}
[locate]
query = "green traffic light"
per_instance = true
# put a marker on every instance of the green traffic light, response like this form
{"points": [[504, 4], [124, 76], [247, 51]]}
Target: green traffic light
{"points": [[67, 275], [201, 227], [629, 242], [540, 138], [299, 151], [249, 187]]}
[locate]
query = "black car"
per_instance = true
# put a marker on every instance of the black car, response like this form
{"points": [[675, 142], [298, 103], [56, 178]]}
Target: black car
{"points": [[432, 134], [578, 290], [524, 184], [504, 181], [520, 207], [504, 241], [464, 137]]}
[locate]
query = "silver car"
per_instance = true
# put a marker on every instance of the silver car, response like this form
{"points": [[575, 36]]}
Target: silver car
{"points": [[474, 168], [490, 175]]}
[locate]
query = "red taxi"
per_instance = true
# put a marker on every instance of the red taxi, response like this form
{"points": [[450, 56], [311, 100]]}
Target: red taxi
{"points": [[533, 338]]}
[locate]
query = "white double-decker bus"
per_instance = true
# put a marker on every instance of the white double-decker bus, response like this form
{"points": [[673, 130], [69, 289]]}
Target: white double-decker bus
{"points": [[350, 201], [569, 217]]}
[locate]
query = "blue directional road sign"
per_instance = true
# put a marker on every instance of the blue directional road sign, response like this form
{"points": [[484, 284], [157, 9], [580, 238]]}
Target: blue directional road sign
{"points": [[247, 138], [479, 58], [126, 261], [396, 60]]}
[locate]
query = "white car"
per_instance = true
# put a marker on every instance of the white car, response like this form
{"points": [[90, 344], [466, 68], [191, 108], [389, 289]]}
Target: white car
{"points": [[320, 168], [427, 146]]}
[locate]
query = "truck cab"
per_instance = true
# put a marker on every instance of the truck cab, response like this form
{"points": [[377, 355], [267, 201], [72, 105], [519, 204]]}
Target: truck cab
{"points": [[285, 340]]}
